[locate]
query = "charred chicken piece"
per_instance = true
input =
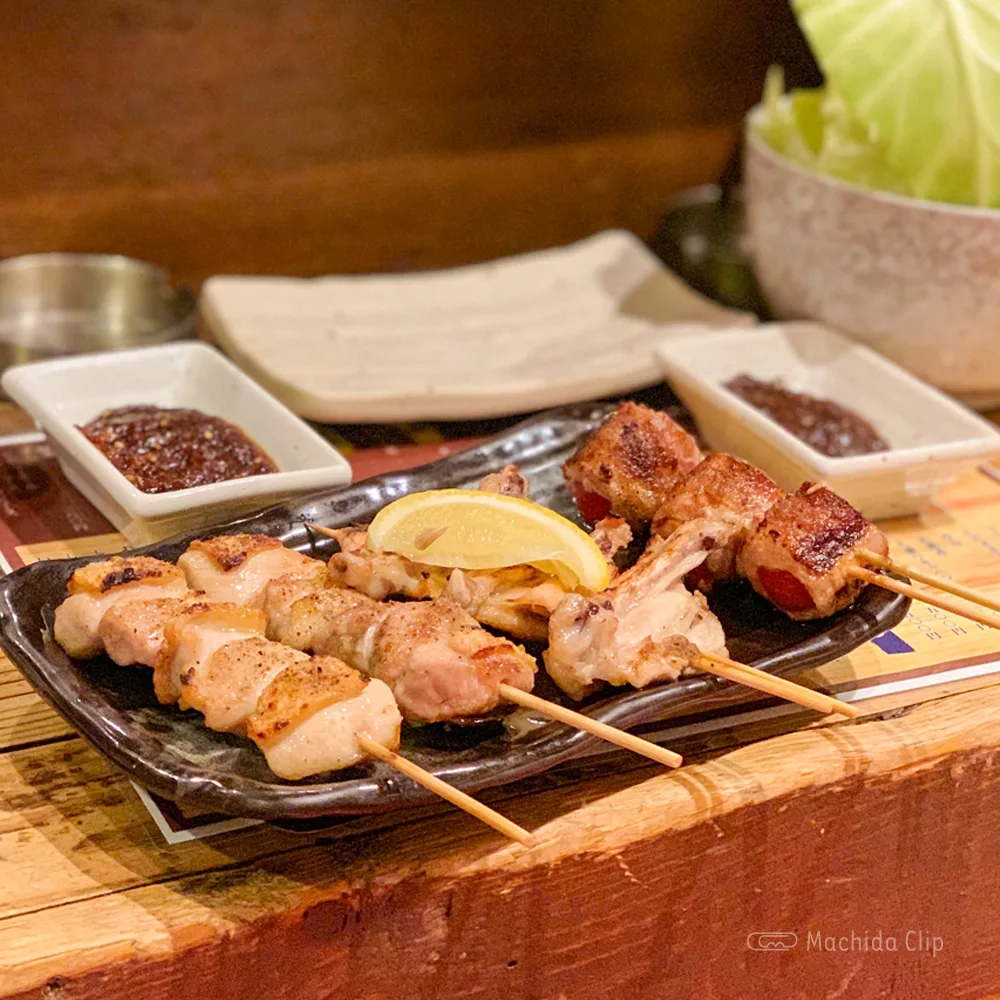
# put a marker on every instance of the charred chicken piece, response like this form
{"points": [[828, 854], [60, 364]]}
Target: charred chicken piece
{"points": [[226, 686], [509, 481], [97, 587], [645, 627], [799, 555], [381, 574], [191, 639], [723, 488], [438, 661], [629, 464], [308, 717], [238, 568], [132, 632]]}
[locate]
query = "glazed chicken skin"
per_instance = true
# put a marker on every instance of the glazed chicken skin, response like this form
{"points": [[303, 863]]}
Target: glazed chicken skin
{"points": [[437, 660], [800, 554], [629, 464], [97, 587], [238, 568], [308, 717], [723, 488], [645, 627]]}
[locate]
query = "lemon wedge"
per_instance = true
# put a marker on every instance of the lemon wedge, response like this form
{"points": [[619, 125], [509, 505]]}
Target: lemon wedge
{"points": [[473, 529]]}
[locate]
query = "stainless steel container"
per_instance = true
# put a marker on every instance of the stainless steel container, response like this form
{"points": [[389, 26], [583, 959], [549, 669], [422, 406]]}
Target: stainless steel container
{"points": [[65, 303]]}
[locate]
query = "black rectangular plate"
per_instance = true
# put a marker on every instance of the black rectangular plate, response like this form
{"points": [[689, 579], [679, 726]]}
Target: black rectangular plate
{"points": [[171, 753]]}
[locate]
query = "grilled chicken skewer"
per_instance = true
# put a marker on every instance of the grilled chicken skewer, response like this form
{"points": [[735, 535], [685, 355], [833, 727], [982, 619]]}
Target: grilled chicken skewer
{"points": [[516, 600], [438, 661], [308, 715], [648, 627], [645, 627], [786, 562], [212, 656]]}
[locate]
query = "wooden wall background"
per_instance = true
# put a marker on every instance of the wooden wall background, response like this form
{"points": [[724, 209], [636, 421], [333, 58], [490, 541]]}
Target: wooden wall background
{"points": [[303, 136]]}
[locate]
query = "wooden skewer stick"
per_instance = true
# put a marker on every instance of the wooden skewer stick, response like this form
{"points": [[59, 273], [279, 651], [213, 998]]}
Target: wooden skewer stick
{"points": [[601, 729], [760, 680], [945, 604], [938, 582], [448, 792]]}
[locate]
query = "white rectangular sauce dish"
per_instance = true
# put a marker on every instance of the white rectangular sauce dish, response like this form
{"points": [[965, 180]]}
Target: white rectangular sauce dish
{"points": [[933, 438], [67, 392]]}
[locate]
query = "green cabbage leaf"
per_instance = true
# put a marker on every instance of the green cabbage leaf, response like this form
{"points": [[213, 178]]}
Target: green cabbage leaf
{"points": [[912, 97]]}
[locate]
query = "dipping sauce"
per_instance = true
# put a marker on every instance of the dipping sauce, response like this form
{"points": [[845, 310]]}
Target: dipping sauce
{"points": [[161, 450], [825, 426]]}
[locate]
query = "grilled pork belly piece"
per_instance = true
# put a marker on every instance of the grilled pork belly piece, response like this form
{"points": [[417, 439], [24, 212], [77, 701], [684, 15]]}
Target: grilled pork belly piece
{"points": [[645, 627], [799, 555], [238, 568], [308, 716], [723, 488], [191, 639], [629, 464], [509, 481], [97, 587], [438, 661]]}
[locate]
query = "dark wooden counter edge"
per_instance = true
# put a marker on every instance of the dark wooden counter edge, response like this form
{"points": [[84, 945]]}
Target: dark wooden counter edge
{"points": [[888, 827]]}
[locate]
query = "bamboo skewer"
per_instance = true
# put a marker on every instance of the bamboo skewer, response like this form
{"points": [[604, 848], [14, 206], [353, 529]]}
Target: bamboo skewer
{"points": [[938, 582], [740, 673], [447, 792], [907, 590], [600, 729]]}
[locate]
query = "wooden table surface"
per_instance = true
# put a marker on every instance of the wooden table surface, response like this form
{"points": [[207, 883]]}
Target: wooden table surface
{"points": [[874, 842]]}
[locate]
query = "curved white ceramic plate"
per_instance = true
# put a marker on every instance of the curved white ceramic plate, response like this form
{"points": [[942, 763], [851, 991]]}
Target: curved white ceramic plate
{"points": [[509, 336]]}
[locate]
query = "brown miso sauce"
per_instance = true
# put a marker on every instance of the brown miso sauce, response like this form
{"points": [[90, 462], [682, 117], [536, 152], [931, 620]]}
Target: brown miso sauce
{"points": [[826, 426], [160, 450]]}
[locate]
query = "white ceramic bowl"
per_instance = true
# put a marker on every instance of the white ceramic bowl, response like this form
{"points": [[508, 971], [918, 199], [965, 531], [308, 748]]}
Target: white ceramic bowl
{"points": [[916, 280], [63, 393], [933, 438]]}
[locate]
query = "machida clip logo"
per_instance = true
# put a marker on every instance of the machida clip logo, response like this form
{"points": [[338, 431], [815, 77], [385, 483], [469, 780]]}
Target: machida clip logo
{"points": [[772, 941]]}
